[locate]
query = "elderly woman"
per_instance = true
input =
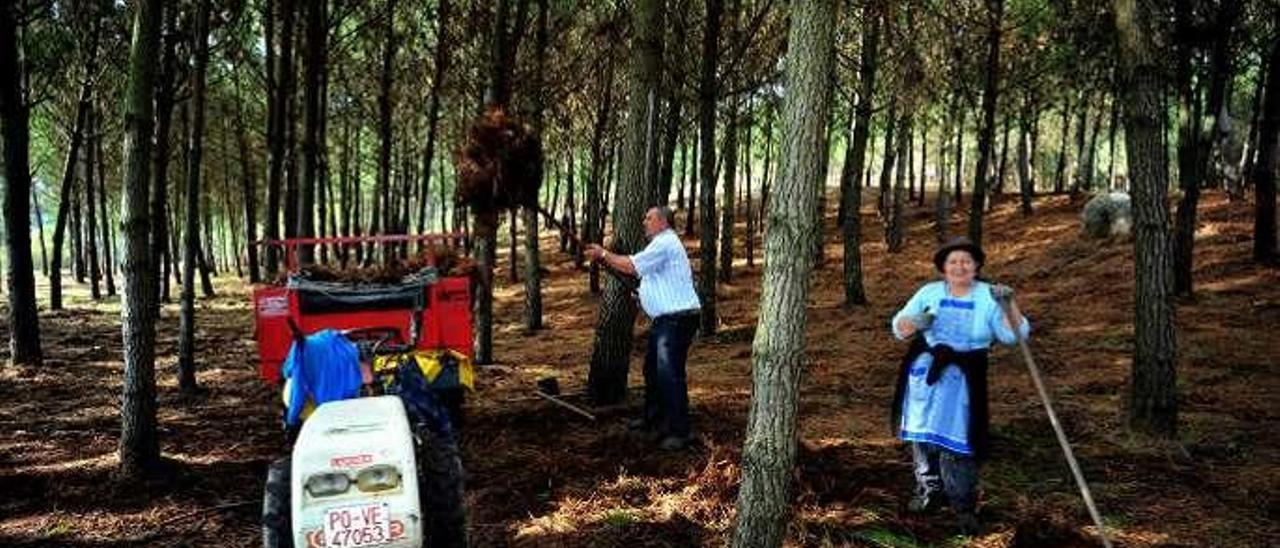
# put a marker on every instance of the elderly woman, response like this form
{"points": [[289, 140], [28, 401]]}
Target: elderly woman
{"points": [[940, 404]]}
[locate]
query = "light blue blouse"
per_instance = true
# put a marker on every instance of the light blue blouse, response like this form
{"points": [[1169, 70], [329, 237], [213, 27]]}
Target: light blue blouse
{"points": [[939, 413]]}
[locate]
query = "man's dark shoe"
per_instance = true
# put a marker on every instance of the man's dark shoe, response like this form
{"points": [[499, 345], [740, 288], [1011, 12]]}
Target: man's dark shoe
{"points": [[925, 503], [674, 443], [967, 523], [638, 424]]}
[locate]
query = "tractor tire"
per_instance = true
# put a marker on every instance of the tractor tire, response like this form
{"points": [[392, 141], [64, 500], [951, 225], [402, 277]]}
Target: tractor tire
{"points": [[440, 480], [277, 525], [452, 400]]}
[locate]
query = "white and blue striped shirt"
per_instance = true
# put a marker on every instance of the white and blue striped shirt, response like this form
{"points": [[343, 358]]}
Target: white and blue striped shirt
{"points": [[666, 279]]}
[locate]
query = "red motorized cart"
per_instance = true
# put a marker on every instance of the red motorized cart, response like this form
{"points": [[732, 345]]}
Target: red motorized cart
{"points": [[429, 312]]}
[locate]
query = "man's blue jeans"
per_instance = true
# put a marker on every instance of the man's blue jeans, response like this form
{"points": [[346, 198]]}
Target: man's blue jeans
{"points": [[666, 391]]}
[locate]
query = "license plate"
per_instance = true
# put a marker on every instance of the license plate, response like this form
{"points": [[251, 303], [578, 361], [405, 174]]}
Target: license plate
{"points": [[358, 525]]}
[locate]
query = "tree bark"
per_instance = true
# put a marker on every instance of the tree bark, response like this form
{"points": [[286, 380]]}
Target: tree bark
{"points": [[730, 181], [1153, 390], [1194, 140], [382, 205], [187, 385], [1265, 167], [1002, 169], [986, 136], [24, 324], [1059, 179], [924, 162], [249, 191], [278, 123], [958, 197], [313, 113], [1077, 179], [595, 203], [894, 227], [769, 451], [611, 348], [533, 260], [68, 186], [1026, 181], [92, 159], [77, 216], [856, 156], [44, 254], [708, 92], [139, 444], [890, 156], [441, 69], [108, 254]]}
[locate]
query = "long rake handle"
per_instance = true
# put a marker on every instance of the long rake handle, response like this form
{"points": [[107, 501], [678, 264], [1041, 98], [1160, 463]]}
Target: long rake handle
{"points": [[1057, 429], [626, 281]]}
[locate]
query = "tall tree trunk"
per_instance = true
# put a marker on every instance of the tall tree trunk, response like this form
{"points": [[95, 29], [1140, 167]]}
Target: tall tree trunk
{"points": [[1002, 169], [281, 87], [1153, 389], [44, 254], [161, 252], [1089, 163], [958, 197], [77, 216], [139, 444], [924, 162], [441, 68], [670, 136], [313, 112], [191, 233], [611, 348], [1249, 159], [890, 156], [1111, 141], [249, 191], [108, 261], [280, 169], [769, 452], [24, 324], [730, 181], [856, 155], [691, 209], [1026, 181], [708, 92], [894, 226], [90, 202], [1194, 140], [749, 236], [1059, 179], [382, 205], [765, 169], [571, 210], [1266, 165], [1077, 180], [595, 203], [533, 262], [986, 137], [68, 188]]}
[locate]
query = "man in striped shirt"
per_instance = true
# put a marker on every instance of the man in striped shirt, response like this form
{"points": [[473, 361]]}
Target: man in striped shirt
{"points": [[667, 296]]}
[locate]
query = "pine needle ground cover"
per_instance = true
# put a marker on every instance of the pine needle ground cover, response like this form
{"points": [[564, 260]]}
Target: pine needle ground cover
{"points": [[542, 476]]}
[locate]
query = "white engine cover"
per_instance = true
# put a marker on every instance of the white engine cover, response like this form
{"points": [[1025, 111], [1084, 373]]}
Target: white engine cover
{"points": [[346, 437]]}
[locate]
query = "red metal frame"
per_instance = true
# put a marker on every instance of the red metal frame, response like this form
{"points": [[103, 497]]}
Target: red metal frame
{"points": [[445, 320]]}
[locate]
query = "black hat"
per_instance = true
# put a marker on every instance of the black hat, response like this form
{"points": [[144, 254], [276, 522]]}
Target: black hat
{"points": [[960, 243]]}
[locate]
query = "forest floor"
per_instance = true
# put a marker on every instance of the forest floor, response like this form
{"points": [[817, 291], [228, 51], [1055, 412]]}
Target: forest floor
{"points": [[541, 476]]}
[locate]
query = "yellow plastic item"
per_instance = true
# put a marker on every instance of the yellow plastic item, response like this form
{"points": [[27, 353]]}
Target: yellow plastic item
{"points": [[430, 362]]}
